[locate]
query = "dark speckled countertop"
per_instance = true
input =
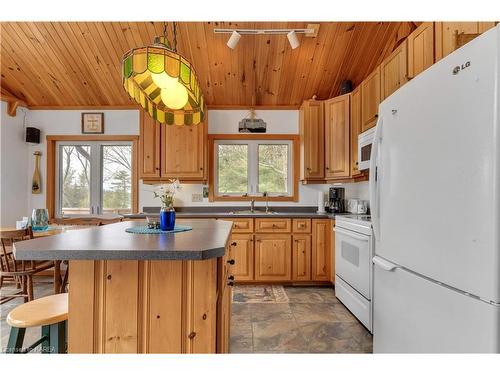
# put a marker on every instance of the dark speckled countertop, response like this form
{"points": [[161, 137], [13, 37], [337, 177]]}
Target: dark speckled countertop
{"points": [[207, 240], [212, 212]]}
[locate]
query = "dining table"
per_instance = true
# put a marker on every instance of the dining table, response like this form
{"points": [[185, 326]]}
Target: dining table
{"points": [[52, 230]]}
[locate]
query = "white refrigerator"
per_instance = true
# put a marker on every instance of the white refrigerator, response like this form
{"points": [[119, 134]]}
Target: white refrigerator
{"points": [[435, 203]]}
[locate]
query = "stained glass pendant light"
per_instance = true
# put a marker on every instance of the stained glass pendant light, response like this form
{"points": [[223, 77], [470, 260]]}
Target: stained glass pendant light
{"points": [[163, 82]]}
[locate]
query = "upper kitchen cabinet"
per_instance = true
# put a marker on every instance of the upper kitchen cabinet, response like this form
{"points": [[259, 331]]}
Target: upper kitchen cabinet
{"points": [[452, 35], [312, 151], [370, 99], [149, 147], [183, 152], [337, 137], [420, 49], [355, 129], [393, 71]]}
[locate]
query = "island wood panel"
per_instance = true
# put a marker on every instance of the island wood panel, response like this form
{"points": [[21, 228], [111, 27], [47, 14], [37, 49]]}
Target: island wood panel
{"points": [[301, 254], [420, 49], [393, 71], [337, 137], [322, 251], [79, 63], [123, 306]]}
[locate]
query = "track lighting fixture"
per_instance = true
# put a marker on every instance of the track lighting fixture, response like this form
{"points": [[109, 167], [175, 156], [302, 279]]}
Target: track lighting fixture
{"points": [[233, 39], [292, 39]]}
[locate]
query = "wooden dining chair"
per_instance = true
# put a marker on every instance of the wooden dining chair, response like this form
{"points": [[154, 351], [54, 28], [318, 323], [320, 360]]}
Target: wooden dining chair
{"points": [[18, 272]]}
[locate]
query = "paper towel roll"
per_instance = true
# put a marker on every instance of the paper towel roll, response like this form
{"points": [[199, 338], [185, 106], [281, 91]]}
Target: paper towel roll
{"points": [[321, 202]]}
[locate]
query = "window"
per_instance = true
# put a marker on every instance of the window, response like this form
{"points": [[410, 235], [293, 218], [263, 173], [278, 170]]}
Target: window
{"points": [[94, 178], [253, 167]]}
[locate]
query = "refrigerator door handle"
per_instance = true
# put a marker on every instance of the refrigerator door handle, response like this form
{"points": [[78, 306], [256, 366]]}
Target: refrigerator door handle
{"points": [[374, 178], [384, 264]]}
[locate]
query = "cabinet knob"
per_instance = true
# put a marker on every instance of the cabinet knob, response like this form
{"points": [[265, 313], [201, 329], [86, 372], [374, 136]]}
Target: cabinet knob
{"points": [[233, 244], [327, 168], [376, 116], [231, 277], [308, 168], [192, 335], [201, 168], [157, 168], [231, 261], [230, 283]]}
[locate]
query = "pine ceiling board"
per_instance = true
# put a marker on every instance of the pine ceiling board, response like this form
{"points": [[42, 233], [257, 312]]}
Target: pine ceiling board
{"points": [[72, 64], [17, 51]]}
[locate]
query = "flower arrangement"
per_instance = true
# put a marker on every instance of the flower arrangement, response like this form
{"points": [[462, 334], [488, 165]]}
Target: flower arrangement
{"points": [[166, 192]]}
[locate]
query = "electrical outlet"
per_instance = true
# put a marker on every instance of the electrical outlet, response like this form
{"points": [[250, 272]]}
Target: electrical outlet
{"points": [[196, 197]]}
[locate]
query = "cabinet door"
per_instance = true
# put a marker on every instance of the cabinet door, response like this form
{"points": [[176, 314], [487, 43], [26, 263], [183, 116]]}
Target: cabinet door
{"points": [[355, 129], [273, 257], [393, 71], [183, 151], [311, 128], [337, 137], [242, 254], [446, 34], [149, 147], [301, 257], [321, 250], [420, 49], [370, 99]]}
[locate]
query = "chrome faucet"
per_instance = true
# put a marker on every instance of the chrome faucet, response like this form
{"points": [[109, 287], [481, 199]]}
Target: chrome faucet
{"points": [[252, 205], [265, 195]]}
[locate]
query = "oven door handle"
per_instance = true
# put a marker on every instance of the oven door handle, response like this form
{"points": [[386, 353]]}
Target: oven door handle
{"points": [[351, 234]]}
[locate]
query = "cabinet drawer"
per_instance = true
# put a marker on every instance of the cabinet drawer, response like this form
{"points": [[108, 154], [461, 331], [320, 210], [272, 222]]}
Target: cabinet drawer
{"points": [[301, 225], [242, 225], [273, 225]]}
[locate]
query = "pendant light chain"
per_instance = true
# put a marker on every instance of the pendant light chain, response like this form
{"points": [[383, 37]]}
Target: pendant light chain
{"points": [[175, 36]]}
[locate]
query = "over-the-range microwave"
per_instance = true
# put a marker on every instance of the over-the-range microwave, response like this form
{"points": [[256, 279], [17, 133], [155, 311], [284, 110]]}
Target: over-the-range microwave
{"points": [[365, 141]]}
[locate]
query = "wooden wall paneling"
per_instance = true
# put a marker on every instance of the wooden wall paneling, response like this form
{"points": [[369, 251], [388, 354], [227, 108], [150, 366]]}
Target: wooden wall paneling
{"points": [[82, 274], [393, 71], [165, 309], [121, 306], [420, 49]]}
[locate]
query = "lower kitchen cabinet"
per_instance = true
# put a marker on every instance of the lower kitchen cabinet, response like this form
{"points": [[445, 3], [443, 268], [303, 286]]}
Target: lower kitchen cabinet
{"points": [[301, 257], [273, 257], [321, 250], [242, 254]]}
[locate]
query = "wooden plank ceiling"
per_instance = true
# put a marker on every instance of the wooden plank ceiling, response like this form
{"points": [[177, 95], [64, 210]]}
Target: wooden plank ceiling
{"points": [[69, 64]]}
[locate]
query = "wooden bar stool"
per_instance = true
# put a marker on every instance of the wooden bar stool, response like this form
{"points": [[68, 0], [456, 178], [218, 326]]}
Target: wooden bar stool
{"points": [[50, 313]]}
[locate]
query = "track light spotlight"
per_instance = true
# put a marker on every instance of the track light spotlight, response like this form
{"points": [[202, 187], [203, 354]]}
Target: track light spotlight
{"points": [[292, 38], [233, 39]]}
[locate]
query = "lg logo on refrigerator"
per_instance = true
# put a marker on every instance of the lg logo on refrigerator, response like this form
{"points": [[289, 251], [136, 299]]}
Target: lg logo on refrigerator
{"points": [[458, 68]]}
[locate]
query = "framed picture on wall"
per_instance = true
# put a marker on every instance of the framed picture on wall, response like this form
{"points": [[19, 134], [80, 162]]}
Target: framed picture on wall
{"points": [[93, 123]]}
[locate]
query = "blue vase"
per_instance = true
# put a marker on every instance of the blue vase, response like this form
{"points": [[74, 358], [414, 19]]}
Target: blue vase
{"points": [[167, 218]]}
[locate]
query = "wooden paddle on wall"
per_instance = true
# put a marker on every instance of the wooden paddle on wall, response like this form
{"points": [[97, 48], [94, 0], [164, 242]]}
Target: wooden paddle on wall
{"points": [[36, 186]]}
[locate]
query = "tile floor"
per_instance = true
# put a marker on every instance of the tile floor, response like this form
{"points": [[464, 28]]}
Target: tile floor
{"points": [[266, 319], [275, 319], [42, 287]]}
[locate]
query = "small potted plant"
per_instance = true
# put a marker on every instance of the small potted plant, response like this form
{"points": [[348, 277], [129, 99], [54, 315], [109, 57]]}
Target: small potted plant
{"points": [[166, 193]]}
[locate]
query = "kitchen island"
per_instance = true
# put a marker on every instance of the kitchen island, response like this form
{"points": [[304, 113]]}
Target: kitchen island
{"points": [[137, 293]]}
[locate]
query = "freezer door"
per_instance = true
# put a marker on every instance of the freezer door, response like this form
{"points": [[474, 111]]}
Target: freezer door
{"points": [[435, 196], [414, 315]]}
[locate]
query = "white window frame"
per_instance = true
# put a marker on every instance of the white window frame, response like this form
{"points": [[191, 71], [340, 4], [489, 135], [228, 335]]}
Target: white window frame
{"points": [[96, 172], [253, 166]]}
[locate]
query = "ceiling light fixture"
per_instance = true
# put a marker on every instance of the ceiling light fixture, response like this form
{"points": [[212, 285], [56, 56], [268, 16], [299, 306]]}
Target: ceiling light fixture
{"points": [[311, 31], [233, 39], [163, 82], [292, 39]]}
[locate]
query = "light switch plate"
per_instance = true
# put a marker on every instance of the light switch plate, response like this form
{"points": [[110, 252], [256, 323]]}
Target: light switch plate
{"points": [[197, 197]]}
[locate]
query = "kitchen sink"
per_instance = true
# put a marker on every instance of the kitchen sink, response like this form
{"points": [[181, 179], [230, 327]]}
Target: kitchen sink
{"points": [[254, 212]]}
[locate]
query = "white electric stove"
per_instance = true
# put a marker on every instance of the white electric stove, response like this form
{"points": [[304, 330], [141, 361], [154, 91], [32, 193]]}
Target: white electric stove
{"points": [[353, 265]]}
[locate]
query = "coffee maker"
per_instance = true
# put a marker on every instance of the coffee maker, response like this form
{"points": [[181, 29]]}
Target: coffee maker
{"points": [[336, 200]]}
